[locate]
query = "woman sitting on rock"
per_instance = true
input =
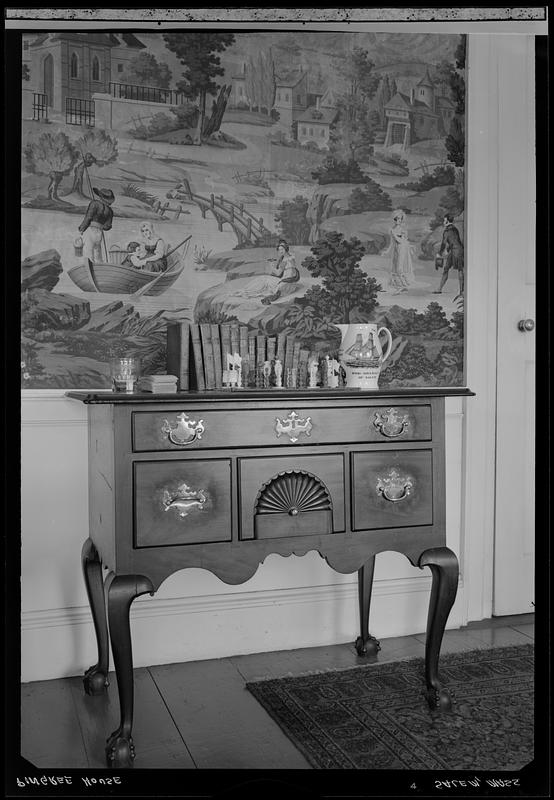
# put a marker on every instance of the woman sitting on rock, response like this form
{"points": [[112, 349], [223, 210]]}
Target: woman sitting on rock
{"points": [[270, 287]]}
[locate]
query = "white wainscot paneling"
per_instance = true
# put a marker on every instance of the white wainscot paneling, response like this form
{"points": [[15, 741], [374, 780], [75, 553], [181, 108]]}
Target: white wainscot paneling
{"points": [[289, 603]]}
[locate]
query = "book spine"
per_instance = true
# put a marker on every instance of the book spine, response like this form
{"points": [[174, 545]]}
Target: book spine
{"points": [[260, 354], [177, 354], [323, 366], [243, 349], [303, 368], [235, 348], [296, 356], [271, 347], [207, 349], [281, 345], [198, 360], [252, 359], [216, 347], [289, 350], [225, 343]]}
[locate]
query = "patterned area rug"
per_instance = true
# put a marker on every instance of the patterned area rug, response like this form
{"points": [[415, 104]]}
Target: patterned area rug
{"points": [[376, 716]]}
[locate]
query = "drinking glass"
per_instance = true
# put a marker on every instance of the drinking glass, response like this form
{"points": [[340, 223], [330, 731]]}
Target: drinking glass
{"points": [[124, 373]]}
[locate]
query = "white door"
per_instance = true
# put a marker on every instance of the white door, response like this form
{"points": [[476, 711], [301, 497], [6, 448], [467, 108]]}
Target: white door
{"points": [[513, 591]]}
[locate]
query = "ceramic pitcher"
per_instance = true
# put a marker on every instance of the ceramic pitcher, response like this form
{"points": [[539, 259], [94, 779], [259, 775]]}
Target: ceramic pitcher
{"points": [[361, 353]]}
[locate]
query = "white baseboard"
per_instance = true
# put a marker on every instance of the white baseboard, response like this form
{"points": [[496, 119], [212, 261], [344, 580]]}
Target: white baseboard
{"points": [[60, 642]]}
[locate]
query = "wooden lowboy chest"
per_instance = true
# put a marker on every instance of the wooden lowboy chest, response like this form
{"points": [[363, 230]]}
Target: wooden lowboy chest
{"points": [[220, 480]]}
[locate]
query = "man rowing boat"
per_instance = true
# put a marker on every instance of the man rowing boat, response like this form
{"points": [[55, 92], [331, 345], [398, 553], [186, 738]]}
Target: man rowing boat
{"points": [[98, 218]]}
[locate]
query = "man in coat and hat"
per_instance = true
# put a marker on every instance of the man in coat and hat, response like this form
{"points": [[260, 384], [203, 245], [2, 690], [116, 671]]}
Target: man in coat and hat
{"points": [[450, 255], [98, 218]]}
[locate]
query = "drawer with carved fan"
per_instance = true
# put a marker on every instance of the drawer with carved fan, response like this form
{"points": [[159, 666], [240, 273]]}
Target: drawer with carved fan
{"points": [[392, 489], [285, 496]]}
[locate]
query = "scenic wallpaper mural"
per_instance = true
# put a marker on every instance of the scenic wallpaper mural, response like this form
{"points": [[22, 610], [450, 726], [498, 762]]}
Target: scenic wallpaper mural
{"points": [[185, 166]]}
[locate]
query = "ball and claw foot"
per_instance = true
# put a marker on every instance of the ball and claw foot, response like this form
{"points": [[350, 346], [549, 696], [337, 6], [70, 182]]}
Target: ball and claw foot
{"points": [[439, 698], [95, 681], [367, 647], [120, 752]]}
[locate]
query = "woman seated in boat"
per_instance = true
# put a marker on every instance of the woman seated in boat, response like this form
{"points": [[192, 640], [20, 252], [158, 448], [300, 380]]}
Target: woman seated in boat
{"points": [[270, 287], [136, 255], [155, 260]]}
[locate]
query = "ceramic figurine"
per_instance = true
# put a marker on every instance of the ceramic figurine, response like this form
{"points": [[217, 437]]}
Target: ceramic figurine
{"points": [[238, 370], [278, 374], [332, 373]]}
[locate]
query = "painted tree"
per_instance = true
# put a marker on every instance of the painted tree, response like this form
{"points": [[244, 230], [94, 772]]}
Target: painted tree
{"points": [[198, 53], [369, 197], [50, 154], [453, 76], [358, 71], [252, 84], [95, 147], [455, 141], [382, 97], [292, 219], [267, 81], [145, 70], [346, 293], [260, 81], [353, 134]]}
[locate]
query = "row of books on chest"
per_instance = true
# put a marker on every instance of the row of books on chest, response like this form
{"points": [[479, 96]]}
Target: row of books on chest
{"points": [[208, 356]]}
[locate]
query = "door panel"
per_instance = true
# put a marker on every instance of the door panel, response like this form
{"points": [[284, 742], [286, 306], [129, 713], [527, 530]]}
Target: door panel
{"points": [[515, 460]]}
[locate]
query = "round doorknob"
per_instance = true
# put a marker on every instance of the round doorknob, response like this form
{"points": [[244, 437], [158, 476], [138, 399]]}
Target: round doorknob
{"points": [[526, 324]]}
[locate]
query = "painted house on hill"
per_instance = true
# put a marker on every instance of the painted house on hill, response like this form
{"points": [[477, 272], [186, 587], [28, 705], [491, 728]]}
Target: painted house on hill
{"points": [[77, 65], [314, 124], [306, 108], [424, 114], [291, 96]]}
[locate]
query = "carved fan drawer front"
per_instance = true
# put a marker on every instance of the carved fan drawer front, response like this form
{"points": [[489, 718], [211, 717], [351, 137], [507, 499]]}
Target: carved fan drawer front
{"points": [[291, 496], [181, 429], [181, 502], [392, 489]]}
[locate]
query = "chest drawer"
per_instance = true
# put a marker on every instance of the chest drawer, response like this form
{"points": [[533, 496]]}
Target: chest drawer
{"points": [[181, 502], [295, 425], [291, 496], [392, 489]]}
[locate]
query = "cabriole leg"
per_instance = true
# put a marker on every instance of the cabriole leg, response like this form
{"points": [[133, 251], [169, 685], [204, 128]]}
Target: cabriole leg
{"points": [[122, 590], [444, 568], [95, 679], [365, 643]]}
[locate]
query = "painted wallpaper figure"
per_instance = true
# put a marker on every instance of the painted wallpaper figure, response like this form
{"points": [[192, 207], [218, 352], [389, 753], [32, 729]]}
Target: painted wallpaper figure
{"points": [[194, 156]]}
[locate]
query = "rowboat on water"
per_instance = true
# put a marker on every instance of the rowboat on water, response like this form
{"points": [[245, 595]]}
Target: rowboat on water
{"points": [[112, 277]]}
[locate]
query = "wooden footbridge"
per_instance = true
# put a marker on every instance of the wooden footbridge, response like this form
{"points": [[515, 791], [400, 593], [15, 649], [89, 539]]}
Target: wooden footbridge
{"points": [[246, 226]]}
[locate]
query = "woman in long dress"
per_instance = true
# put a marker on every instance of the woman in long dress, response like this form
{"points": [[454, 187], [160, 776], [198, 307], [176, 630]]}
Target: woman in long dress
{"points": [[155, 260], [402, 270], [269, 287]]}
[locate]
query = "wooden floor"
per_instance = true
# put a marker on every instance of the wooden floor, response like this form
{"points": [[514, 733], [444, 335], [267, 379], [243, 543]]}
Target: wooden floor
{"points": [[198, 715]]}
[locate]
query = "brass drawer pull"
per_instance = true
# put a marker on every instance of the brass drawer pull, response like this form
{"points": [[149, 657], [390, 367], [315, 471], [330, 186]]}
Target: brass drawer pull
{"points": [[184, 431], [390, 424], [183, 499], [293, 426], [395, 487]]}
